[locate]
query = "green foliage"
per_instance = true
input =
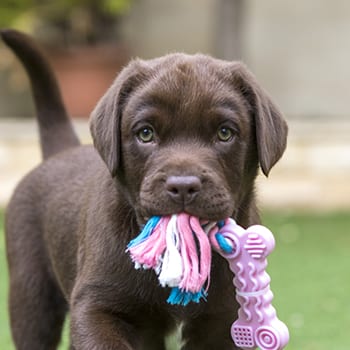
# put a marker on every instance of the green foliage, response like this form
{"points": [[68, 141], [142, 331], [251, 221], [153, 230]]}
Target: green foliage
{"points": [[11, 10], [81, 21]]}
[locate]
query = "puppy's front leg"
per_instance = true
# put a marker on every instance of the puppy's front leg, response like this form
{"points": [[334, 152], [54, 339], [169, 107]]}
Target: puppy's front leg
{"points": [[208, 332], [97, 329]]}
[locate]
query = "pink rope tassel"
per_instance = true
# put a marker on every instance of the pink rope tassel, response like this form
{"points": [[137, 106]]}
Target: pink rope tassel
{"points": [[148, 253], [179, 250], [205, 250], [190, 280]]}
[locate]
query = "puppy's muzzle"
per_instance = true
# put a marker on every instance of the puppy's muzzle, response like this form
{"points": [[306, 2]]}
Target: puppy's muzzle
{"points": [[183, 189]]}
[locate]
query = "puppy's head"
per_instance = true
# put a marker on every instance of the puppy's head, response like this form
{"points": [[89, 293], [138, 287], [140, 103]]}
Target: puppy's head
{"points": [[187, 133]]}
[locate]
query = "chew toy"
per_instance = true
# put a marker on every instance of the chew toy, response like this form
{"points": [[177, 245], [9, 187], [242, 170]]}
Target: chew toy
{"points": [[246, 252], [179, 248]]}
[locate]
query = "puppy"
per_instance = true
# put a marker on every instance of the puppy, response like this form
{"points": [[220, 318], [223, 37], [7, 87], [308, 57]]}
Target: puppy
{"points": [[175, 134]]}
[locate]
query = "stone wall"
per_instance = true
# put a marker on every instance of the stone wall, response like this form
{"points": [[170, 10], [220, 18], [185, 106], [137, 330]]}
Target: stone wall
{"points": [[299, 52]]}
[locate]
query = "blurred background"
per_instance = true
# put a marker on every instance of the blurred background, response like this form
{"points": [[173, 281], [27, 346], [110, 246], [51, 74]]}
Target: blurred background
{"points": [[299, 52]]}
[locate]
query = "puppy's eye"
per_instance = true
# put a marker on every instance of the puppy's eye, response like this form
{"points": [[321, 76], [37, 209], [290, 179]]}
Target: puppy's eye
{"points": [[225, 134], [146, 134]]}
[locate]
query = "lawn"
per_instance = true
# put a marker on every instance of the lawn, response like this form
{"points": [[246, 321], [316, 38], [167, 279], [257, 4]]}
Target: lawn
{"points": [[309, 270]]}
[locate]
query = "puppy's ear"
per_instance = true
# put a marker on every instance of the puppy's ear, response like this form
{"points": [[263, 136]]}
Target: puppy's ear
{"points": [[105, 120], [271, 128]]}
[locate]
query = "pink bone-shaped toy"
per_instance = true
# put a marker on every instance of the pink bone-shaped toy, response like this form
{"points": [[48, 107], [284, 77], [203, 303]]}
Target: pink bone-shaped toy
{"points": [[246, 251]]}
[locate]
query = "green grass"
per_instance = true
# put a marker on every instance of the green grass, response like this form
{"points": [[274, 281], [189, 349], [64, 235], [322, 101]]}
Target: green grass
{"points": [[310, 279], [5, 338]]}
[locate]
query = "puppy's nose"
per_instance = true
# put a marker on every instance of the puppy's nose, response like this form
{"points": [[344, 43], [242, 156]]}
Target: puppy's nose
{"points": [[183, 189]]}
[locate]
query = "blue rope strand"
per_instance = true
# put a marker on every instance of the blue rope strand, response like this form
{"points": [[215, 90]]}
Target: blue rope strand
{"points": [[225, 247], [179, 297], [146, 231]]}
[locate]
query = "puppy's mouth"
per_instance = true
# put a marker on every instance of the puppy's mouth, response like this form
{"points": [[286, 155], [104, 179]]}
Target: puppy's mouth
{"points": [[201, 196], [205, 207]]}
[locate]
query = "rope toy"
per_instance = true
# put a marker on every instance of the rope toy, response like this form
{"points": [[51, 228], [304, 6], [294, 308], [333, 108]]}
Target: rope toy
{"points": [[179, 247]]}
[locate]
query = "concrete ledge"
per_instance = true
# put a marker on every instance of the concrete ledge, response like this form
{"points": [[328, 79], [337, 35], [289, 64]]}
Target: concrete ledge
{"points": [[314, 171], [313, 174], [20, 151]]}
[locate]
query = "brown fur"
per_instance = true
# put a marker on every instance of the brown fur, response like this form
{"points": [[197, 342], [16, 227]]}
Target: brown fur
{"points": [[70, 219]]}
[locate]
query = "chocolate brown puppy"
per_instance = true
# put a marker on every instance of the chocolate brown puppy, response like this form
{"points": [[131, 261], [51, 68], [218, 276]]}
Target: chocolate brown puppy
{"points": [[175, 134]]}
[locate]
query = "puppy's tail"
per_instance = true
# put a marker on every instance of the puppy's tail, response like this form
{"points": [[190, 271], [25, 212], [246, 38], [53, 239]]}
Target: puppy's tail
{"points": [[55, 128]]}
